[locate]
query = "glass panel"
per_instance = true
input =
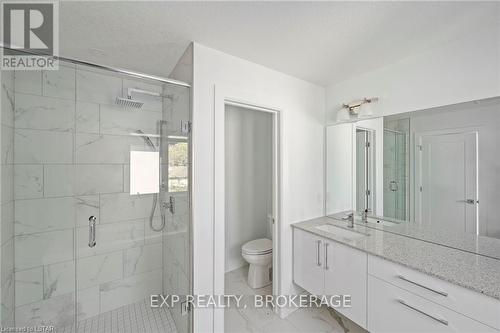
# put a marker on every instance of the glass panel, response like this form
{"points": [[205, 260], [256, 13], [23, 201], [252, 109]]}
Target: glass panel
{"points": [[396, 169], [7, 199], [99, 225]]}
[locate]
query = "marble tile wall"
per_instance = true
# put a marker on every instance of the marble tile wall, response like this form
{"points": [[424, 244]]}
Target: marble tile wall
{"points": [[7, 297], [71, 161]]}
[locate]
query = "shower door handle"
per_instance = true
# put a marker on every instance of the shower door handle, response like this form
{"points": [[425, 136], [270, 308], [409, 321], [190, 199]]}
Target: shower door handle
{"points": [[92, 221]]}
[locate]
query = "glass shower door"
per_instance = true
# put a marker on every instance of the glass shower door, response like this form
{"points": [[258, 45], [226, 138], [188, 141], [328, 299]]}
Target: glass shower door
{"points": [[395, 174], [101, 197]]}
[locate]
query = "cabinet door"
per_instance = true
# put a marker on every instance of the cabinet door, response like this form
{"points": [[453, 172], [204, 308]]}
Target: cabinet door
{"points": [[308, 261], [345, 274]]}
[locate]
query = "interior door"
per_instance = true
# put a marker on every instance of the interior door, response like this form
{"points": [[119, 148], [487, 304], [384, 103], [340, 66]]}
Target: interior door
{"points": [[446, 174]]}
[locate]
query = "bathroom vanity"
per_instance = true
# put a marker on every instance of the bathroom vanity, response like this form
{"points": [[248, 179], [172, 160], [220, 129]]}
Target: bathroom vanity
{"points": [[397, 283]]}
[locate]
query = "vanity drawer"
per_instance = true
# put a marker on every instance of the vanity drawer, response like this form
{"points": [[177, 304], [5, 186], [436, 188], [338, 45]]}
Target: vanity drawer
{"points": [[392, 309], [472, 304]]}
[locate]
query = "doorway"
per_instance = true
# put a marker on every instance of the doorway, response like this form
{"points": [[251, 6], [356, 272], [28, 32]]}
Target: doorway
{"points": [[447, 180], [250, 206], [364, 170]]}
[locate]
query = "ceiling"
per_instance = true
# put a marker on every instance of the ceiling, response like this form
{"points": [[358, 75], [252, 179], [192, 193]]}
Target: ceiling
{"points": [[321, 42]]}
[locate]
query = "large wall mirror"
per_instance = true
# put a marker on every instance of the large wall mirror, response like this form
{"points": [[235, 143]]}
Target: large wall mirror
{"points": [[436, 169]]}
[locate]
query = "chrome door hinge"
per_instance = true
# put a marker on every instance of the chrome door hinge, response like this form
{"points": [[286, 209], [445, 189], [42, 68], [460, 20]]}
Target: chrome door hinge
{"points": [[186, 127], [367, 145], [419, 147]]}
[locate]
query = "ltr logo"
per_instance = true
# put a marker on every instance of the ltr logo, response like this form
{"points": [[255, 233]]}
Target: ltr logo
{"points": [[28, 27]]}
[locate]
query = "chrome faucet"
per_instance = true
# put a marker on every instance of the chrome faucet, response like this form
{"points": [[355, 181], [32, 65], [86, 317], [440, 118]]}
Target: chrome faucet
{"points": [[350, 220]]}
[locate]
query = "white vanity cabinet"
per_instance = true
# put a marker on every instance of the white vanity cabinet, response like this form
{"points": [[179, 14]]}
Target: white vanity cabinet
{"points": [[392, 309], [401, 299], [325, 267], [308, 271], [388, 297], [345, 274]]}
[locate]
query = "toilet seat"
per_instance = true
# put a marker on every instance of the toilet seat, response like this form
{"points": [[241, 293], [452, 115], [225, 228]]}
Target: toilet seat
{"points": [[258, 247]]}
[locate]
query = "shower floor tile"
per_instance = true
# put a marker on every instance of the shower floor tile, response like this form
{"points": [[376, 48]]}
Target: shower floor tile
{"points": [[133, 318]]}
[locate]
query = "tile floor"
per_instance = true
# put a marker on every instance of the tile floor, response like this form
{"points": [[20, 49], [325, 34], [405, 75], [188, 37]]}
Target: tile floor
{"points": [[265, 320], [132, 318]]}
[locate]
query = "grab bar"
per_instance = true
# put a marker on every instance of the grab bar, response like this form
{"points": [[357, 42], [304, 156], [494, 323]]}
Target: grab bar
{"points": [[318, 262], [92, 221]]}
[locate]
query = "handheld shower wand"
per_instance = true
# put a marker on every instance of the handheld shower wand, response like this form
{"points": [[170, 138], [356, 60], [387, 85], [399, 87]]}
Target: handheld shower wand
{"points": [[150, 143]]}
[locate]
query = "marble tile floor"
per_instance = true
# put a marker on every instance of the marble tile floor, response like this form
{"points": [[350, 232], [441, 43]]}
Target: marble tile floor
{"points": [[133, 318], [263, 320]]}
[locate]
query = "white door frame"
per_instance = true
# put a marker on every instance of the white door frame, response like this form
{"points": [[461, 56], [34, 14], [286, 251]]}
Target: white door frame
{"points": [[372, 168], [417, 168], [228, 96]]}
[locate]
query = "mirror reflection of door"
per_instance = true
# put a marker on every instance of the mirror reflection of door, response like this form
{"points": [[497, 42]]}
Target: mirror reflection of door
{"points": [[446, 180], [363, 174]]}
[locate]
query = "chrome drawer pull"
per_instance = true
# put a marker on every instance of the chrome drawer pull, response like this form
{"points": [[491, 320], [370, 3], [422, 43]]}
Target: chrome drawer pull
{"points": [[442, 293], [439, 320], [326, 256], [317, 253], [92, 221]]}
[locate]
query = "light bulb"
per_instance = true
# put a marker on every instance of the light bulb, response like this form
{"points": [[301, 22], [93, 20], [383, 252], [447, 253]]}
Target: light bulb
{"points": [[365, 111], [343, 115]]}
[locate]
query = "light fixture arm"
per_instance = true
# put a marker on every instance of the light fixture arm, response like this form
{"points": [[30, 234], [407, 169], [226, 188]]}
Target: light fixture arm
{"points": [[356, 104]]}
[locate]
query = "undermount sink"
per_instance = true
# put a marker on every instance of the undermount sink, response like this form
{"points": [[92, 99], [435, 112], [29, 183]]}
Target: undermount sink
{"points": [[341, 232]]}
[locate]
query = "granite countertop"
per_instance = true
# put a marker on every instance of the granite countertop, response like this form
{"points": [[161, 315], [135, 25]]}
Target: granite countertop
{"points": [[486, 246], [469, 270]]}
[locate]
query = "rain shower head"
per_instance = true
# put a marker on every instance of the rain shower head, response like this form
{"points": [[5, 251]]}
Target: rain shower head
{"points": [[128, 102]]}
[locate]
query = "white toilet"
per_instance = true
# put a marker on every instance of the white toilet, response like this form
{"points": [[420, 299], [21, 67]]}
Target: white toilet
{"points": [[259, 254]]}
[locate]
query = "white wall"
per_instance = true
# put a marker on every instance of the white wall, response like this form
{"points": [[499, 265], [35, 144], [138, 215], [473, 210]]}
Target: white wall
{"points": [[302, 149], [248, 184], [183, 70], [341, 165], [339, 168], [464, 70]]}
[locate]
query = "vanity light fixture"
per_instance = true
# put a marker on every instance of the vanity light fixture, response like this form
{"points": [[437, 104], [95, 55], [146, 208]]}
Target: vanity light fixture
{"points": [[356, 110]]}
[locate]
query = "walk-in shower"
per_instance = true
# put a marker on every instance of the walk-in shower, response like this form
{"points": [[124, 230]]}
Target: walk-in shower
{"points": [[69, 142]]}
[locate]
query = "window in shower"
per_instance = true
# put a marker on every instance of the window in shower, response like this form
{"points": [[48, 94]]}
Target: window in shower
{"points": [[178, 166]]}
